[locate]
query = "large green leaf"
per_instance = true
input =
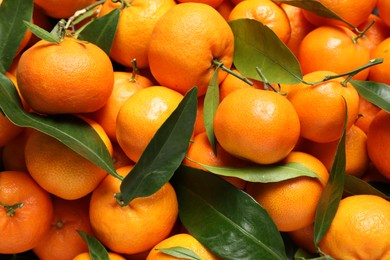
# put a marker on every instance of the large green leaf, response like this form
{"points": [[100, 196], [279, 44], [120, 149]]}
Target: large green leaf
{"points": [[12, 29], [333, 191], [70, 130], [355, 186], [316, 7], [256, 45], [96, 250], [164, 153], [211, 102], [374, 92], [224, 218], [101, 31], [263, 173]]}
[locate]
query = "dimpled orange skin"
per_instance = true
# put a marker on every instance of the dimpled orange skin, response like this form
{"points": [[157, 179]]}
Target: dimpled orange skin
{"points": [[142, 115], [134, 228], [331, 48], [135, 28], [380, 72], [266, 12], [292, 203], [384, 11], [31, 222], [257, 125], [378, 142], [62, 8], [360, 229], [184, 43], [70, 77], [321, 108]]}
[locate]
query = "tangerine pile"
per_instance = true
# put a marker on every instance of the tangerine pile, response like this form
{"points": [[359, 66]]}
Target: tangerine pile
{"points": [[48, 192]]}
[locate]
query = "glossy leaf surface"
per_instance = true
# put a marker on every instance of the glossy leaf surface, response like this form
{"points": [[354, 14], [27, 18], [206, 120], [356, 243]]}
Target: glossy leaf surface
{"points": [[12, 29], [70, 130], [257, 46], [164, 153], [224, 218]]}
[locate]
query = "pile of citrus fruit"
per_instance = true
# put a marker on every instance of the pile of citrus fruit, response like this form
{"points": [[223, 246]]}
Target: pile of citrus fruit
{"points": [[195, 129]]}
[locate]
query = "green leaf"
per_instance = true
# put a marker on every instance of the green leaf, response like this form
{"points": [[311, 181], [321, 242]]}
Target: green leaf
{"points": [[355, 186], [333, 191], [101, 31], [164, 153], [12, 30], [70, 130], [374, 92], [42, 33], [264, 173], [211, 102], [316, 7], [96, 250], [180, 252], [224, 218], [256, 45]]}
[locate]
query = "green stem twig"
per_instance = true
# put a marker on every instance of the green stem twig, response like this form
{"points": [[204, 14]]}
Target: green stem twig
{"points": [[219, 64], [11, 209]]}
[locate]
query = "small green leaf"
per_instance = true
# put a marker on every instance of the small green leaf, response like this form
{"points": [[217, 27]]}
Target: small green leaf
{"points": [[96, 250], [264, 173], [355, 186], [180, 252], [316, 7], [224, 218], [256, 45], [12, 30], [374, 92], [101, 31], [42, 33], [333, 191], [164, 153], [70, 130], [211, 102]]}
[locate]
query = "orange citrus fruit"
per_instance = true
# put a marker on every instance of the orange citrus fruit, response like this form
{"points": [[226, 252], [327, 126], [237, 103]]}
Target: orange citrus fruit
{"points": [[360, 229], [304, 238], [266, 12], [287, 201], [69, 77], [26, 212], [264, 129], [13, 153], [87, 256], [367, 112], [336, 44], [354, 12], [383, 8], [377, 33], [60, 170], [142, 115], [201, 151], [379, 73], [63, 241], [136, 22], [378, 142], [62, 8], [225, 8], [182, 49], [321, 108], [124, 87], [136, 227], [180, 240], [300, 27], [357, 160], [212, 3]]}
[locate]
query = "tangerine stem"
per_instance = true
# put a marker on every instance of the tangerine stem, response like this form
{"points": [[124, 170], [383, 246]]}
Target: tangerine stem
{"points": [[267, 84], [361, 34], [219, 64], [11, 209], [350, 74], [135, 71], [78, 13], [119, 199]]}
